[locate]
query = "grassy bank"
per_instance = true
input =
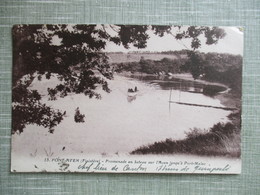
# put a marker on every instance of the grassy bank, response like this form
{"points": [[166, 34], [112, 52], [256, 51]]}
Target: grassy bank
{"points": [[220, 140]]}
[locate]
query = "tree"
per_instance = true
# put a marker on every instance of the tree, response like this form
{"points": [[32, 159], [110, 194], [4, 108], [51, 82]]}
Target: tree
{"points": [[194, 64], [73, 53]]}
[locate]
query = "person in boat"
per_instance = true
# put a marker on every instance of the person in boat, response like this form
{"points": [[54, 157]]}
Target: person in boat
{"points": [[130, 90]]}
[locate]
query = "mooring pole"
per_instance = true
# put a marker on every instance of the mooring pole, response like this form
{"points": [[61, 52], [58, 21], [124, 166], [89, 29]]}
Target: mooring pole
{"points": [[180, 93], [170, 98]]}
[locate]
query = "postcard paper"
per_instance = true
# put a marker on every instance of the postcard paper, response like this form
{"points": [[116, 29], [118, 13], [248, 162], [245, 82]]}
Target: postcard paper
{"points": [[126, 98]]}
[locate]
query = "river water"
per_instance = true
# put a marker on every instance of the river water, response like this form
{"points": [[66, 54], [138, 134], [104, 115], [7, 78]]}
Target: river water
{"points": [[121, 122]]}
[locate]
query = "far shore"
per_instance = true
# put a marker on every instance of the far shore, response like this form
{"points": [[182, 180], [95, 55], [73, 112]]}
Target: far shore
{"points": [[188, 77], [225, 97], [183, 76]]}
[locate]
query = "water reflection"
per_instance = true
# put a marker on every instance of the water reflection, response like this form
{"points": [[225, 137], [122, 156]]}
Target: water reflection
{"points": [[131, 98]]}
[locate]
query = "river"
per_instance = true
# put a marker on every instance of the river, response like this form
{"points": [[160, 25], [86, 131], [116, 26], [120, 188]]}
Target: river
{"points": [[121, 122]]}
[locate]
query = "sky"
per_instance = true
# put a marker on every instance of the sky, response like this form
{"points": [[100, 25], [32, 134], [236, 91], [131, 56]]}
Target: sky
{"points": [[232, 43]]}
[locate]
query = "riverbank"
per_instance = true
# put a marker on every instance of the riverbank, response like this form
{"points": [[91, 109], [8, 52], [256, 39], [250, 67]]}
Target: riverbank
{"points": [[222, 139], [189, 77], [182, 76]]}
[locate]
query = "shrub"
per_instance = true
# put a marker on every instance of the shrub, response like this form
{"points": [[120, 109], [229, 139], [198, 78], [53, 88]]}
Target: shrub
{"points": [[78, 117]]}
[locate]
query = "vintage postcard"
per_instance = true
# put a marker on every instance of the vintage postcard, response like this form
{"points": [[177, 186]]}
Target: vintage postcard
{"points": [[126, 98]]}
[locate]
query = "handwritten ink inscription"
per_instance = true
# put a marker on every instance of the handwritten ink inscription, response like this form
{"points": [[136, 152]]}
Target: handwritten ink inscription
{"points": [[134, 166]]}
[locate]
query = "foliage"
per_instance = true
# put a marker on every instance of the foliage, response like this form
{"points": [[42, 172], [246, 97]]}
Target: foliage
{"points": [[78, 117], [165, 65], [194, 64], [35, 51], [224, 68], [28, 109]]}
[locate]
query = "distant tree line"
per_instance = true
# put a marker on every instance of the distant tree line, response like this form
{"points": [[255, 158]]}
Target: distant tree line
{"points": [[223, 68], [148, 66]]}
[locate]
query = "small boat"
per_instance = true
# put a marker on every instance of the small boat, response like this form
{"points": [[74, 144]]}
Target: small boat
{"points": [[132, 94]]}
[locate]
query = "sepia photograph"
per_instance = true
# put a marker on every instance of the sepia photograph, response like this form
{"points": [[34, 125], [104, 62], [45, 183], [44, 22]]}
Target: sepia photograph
{"points": [[126, 98]]}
